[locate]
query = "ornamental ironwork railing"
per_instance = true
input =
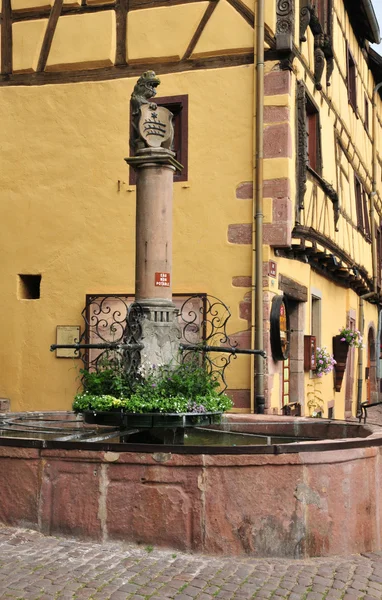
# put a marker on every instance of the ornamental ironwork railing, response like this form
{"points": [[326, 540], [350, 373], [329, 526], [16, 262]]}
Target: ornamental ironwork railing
{"points": [[112, 334]]}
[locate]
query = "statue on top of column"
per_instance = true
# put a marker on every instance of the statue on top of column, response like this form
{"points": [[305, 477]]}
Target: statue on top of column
{"points": [[152, 124]]}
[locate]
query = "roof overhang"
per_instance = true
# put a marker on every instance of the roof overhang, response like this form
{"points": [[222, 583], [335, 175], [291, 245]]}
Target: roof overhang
{"points": [[364, 20]]}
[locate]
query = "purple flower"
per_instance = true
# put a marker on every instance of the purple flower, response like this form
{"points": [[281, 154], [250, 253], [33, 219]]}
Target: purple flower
{"points": [[343, 339]]}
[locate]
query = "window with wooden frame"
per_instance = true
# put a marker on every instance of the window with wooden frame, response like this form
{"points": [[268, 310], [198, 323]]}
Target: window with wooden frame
{"points": [[367, 122], [378, 235], [361, 204], [178, 105], [313, 137], [323, 13], [351, 79]]}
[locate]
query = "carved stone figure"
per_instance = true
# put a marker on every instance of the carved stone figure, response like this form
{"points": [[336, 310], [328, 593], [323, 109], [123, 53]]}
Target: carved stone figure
{"points": [[152, 125]]}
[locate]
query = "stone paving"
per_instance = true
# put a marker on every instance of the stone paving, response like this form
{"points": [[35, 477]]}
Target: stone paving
{"points": [[36, 567]]}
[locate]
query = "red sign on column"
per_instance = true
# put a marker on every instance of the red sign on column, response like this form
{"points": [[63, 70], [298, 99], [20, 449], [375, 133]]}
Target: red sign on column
{"points": [[162, 279]]}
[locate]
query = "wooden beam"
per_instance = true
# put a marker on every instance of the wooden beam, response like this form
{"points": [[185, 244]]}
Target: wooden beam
{"points": [[244, 11], [49, 33], [6, 38], [199, 30], [121, 12], [109, 73]]}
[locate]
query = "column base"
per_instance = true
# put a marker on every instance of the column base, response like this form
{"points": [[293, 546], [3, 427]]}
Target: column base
{"points": [[160, 332]]}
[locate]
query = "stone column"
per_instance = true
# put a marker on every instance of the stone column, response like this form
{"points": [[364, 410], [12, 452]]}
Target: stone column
{"points": [[155, 164], [153, 261]]}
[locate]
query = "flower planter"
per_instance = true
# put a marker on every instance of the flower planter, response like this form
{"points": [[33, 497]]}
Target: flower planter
{"points": [[340, 353]]}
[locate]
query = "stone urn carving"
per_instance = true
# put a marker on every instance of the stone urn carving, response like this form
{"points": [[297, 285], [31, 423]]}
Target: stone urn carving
{"points": [[340, 353]]}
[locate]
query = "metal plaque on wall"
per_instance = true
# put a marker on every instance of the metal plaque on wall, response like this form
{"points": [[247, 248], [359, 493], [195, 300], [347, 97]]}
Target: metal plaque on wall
{"points": [[65, 336]]}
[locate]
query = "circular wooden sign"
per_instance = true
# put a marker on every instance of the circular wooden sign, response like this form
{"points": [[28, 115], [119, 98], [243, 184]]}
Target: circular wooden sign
{"points": [[280, 331]]}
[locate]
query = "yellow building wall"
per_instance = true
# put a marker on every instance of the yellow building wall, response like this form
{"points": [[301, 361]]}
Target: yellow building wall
{"points": [[65, 219]]}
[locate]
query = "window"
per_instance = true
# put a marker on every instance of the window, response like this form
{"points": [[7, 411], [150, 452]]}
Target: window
{"points": [[379, 254], [361, 206], [367, 123], [323, 13], [178, 105], [316, 319], [313, 137], [29, 287], [352, 79]]}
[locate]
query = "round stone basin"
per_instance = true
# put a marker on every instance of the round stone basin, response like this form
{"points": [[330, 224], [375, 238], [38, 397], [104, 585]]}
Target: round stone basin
{"points": [[254, 485]]}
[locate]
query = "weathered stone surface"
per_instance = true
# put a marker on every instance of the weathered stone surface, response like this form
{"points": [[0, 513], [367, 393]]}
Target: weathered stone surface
{"points": [[157, 505], [277, 234], [242, 281], [244, 191], [70, 498], [310, 502], [276, 188], [278, 141], [277, 82], [5, 405], [294, 289], [241, 398], [245, 307], [276, 114], [240, 233], [19, 488]]}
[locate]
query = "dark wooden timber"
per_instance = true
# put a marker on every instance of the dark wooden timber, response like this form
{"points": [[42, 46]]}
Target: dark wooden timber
{"points": [[44, 13], [199, 30], [108, 73], [6, 38], [121, 10], [49, 33], [244, 11]]}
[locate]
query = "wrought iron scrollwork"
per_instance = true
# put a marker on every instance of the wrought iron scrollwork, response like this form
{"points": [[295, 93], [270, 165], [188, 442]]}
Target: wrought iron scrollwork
{"points": [[111, 334], [117, 323], [203, 321]]}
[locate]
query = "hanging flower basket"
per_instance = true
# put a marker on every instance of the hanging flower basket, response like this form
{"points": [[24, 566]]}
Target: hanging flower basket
{"points": [[340, 353]]}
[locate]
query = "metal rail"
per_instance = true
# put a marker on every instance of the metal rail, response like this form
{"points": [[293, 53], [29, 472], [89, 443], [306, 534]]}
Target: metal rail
{"points": [[363, 410], [101, 346], [224, 349]]}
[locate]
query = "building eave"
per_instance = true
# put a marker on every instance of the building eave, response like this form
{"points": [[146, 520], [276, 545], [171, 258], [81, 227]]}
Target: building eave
{"points": [[364, 20]]}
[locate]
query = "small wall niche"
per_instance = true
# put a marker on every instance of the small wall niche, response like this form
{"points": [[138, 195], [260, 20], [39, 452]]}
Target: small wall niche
{"points": [[28, 287]]}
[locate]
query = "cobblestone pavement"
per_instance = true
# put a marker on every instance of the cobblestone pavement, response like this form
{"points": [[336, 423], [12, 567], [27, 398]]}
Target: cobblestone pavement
{"points": [[33, 566]]}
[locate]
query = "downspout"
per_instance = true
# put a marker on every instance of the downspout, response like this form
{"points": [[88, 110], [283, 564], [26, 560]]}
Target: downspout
{"points": [[257, 233], [373, 248]]}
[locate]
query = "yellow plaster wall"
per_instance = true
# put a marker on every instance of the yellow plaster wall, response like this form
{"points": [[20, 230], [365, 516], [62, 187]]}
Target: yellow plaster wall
{"points": [[75, 229], [162, 32], [27, 40], [86, 39], [225, 31]]}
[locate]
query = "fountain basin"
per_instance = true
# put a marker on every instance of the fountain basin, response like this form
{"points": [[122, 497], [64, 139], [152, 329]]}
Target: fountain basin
{"points": [[318, 496]]}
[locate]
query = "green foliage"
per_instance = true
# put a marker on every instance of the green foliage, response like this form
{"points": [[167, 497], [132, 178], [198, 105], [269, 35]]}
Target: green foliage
{"points": [[167, 388]]}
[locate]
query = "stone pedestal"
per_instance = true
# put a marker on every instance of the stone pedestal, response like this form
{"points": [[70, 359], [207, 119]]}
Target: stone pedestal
{"points": [[153, 264]]}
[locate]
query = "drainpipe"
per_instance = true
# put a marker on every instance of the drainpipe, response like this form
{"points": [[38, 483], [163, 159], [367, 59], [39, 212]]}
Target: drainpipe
{"points": [[373, 249], [257, 233]]}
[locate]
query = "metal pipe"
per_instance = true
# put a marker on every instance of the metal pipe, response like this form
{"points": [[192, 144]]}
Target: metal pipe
{"points": [[361, 326], [374, 188], [373, 248], [223, 349], [258, 209]]}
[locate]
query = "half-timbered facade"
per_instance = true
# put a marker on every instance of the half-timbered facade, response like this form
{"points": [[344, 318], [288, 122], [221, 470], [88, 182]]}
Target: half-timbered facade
{"points": [[68, 201]]}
